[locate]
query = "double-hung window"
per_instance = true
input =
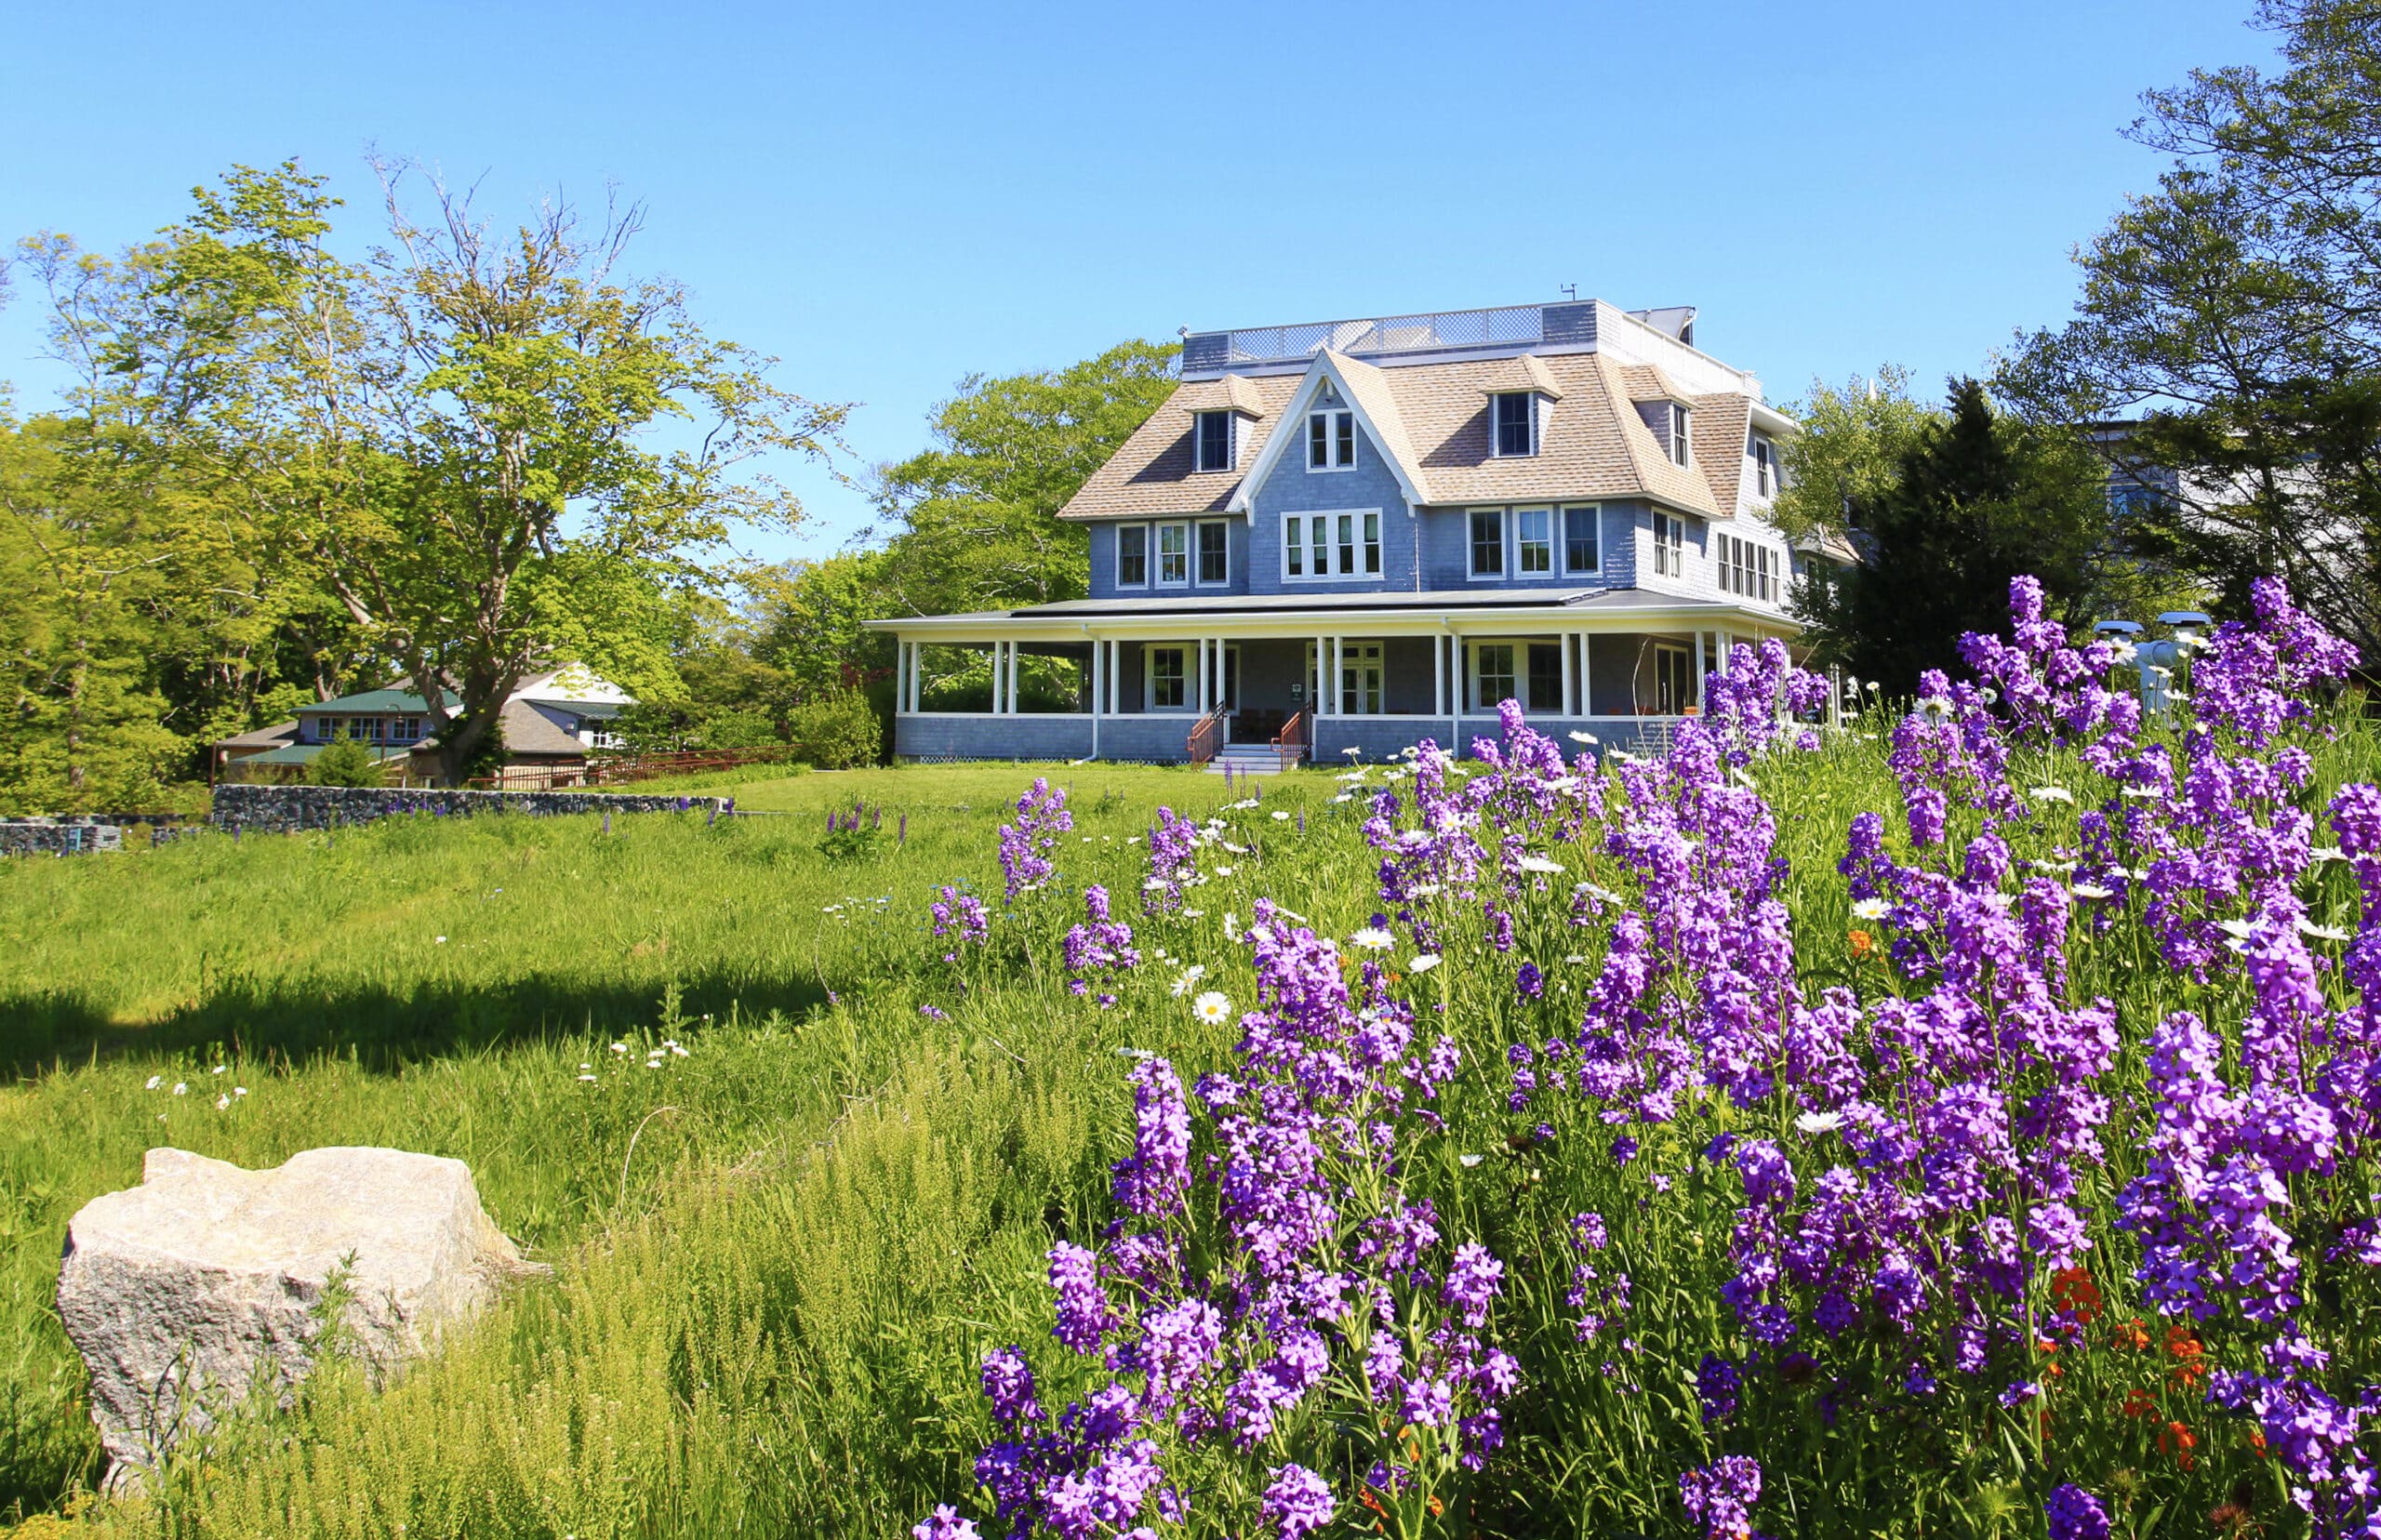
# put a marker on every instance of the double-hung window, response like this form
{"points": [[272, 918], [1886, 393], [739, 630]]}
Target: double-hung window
{"points": [[1681, 435], [1765, 467], [1172, 556], [1748, 570], [1487, 542], [1212, 440], [1492, 675], [1132, 556], [1582, 551], [1515, 422], [1166, 679], [1669, 545], [1330, 440], [1215, 552], [1533, 541], [1331, 545]]}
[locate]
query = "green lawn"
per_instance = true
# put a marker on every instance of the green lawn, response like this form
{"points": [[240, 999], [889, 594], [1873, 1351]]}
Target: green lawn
{"points": [[439, 985]]}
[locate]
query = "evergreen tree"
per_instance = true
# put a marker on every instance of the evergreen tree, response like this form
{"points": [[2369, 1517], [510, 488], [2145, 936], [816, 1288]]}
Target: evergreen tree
{"points": [[1977, 499]]}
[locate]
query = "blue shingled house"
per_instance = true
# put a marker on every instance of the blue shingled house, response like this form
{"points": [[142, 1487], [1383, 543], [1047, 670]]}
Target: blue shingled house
{"points": [[1360, 534]]}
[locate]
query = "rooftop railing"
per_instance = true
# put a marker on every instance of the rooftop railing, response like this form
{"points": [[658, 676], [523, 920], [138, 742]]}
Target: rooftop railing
{"points": [[1506, 326]]}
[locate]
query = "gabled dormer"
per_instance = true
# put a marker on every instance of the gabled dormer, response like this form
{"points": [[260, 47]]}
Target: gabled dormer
{"points": [[1341, 417]]}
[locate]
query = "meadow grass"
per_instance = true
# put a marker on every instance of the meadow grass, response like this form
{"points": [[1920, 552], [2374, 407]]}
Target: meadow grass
{"points": [[846, 1189]]}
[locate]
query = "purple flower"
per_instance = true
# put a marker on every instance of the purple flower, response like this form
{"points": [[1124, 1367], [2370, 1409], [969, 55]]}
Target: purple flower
{"points": [[1720, 1496], [1298, 1503], [2075, 1514], [1083, 1317], [944, 1524]]}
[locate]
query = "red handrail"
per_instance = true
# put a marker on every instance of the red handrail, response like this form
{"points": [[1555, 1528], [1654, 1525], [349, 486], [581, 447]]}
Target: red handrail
{"points": [[1293, 739], [1207, 737]]}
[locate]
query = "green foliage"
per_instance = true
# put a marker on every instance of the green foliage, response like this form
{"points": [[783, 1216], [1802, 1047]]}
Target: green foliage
{"points": [[2234, 309], [344, 761], [1975, 499], [1849, 452], [973, 520], [837, 731]]}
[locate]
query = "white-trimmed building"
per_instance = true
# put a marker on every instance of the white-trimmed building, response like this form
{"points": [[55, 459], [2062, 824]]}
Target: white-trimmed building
{"points": [[1362, 534]]}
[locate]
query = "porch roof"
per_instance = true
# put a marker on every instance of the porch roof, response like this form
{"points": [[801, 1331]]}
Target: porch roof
{"points": [[1610, 609]]}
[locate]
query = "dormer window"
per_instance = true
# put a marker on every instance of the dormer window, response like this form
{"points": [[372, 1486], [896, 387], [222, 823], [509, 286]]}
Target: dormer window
{"points": [[1330, 440], [1515, 423], [1212, 438], [1681, 435], [1765, 467]]}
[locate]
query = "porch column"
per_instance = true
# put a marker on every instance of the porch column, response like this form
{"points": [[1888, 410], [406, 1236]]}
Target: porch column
{"points": [[901, 675], [1099, 686], [1586, 675], [1322, 673], [1338, 676], [1699, 667], [1563, 640], [1438, 676], [1012, 678]]}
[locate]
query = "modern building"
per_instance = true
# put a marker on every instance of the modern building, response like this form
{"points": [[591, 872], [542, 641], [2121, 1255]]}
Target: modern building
{"points": [[550, 722], [1360, 534]]}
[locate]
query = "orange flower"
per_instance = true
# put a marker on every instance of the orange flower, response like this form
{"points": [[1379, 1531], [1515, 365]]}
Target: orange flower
{"points": [[2133, 1334], [1437, 1507], [2188, 1369], [2072, 1290], [2139, 1403], [1862, 943], [2257, 1443], [2177, 1440]]}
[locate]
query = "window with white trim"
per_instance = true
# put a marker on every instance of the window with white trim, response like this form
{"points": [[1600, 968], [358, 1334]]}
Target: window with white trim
{"points": [[1212, 440], [1533, 541], [1487, 542], [1331, 545], [1359, 679], [1582, 540], [1168, 678], [1765, 467], [1215, 552], [1681, 435], [1132, 555], [1491, 675], [1749, 569], [1669, 545], [1330, 440], [1514, 415], [1172, 556]]}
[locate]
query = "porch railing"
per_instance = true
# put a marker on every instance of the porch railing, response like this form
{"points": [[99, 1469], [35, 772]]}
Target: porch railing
{"points": [[1207, 737], [1294, 739]]}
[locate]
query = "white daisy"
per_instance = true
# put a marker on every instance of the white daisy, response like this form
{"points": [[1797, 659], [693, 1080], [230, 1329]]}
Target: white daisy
{"points": [[1819, 1122], [2093, 890], [181, 1088], [155, 1082], [1423, 963], [1187, 979], [1213, 1007], [1280, 817], [1540, 864], [2052, 793], [2327, 853], [1373, 938], [2321, 933], [1577, 736], [1871, 908]]}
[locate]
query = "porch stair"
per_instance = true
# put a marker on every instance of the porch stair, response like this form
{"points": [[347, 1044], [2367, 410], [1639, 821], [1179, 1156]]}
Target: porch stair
{"points": [[1252, 759]]}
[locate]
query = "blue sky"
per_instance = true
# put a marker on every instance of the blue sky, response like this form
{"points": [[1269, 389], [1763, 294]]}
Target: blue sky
{"points": [[890, 197]]}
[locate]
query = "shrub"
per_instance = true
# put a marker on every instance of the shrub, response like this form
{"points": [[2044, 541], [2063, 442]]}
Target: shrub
{"points": [[837, 731], [346, 762]]}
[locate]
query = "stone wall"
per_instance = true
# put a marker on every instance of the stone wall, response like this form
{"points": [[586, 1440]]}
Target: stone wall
{"points": [[264, 809], [56, 837]]}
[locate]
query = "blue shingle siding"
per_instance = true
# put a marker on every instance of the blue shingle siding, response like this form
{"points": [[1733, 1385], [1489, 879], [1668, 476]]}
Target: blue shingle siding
{"points": [[1568, 325], [1103, 558], [1022, 737], [1204, 350], [1292, 488]]}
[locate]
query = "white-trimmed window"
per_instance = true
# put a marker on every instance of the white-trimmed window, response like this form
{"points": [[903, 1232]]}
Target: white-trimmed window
{"points": [[1338, 544], [1583, 539], [1165, 677], [1765, 467], [1491, 675], [1748, 568], [1487, 542], [1215, 552], [1530, 672], [1331, 440], [1172, 556], [1533, 541], [1669, 545], [1681, 435], [1212, 441], [1514, 424], [1673, 679], [1132, 556], [1361, 677]]}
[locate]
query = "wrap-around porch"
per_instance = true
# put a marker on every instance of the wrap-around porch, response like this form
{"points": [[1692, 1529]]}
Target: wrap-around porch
{"points": [[1172, 689]]}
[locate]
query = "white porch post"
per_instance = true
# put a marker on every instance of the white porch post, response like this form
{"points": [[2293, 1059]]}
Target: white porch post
{"points": [[1563, 640], [1700, 665], [1099, 686], [917, 674], [1438, 675], [1012, 678], [1586, 675], [901, 674], [1322, 672], [1338, 676]]}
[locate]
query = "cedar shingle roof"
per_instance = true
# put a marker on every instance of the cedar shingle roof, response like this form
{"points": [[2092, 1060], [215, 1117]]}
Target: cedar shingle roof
{"points": [[1435, 420]]}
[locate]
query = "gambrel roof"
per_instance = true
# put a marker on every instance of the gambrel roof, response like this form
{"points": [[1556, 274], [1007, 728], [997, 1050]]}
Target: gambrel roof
{"points": [[1431, 422]]}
